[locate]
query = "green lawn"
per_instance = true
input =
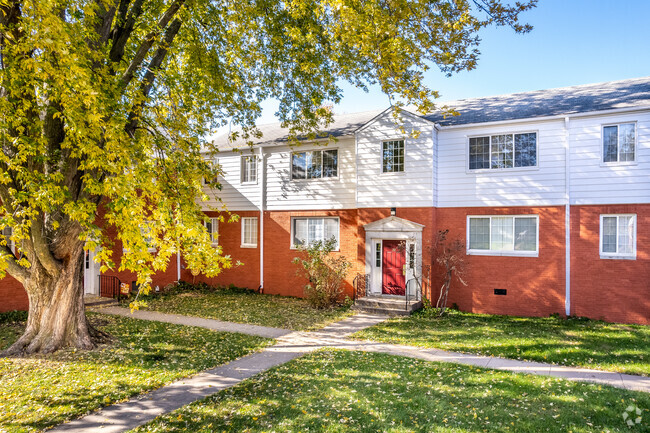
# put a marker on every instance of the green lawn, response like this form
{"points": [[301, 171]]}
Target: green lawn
{"points": [[579, 342], [342, 391], [41, 391], [247, 307]]}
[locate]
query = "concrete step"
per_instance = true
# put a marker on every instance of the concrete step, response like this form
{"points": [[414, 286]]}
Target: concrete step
{"points": [[97, 301], [387, 306]]}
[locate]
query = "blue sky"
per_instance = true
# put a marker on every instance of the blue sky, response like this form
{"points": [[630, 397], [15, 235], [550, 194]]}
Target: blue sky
{"points": [[573, 42]]}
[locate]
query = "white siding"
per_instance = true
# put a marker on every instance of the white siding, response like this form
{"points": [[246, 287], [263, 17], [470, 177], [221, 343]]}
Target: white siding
{"points": [[592, 181], [411, 188], [283, 193], [542, 185], [234, 195]]}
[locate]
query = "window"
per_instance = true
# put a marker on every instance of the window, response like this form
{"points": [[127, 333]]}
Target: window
{"points": [[148, 234], [378, 255], [212, 226], [392, 156], [619, 142], [249, 169], [249, 232], [214, 165], [314, 164], [618, 236], [7, 232], [308, 230], [502, 235], [503, 151]]}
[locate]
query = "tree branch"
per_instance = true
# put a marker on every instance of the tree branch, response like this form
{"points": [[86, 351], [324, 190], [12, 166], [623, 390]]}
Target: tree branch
{"points": [[41, 248], [123, 31], [13, 268]]}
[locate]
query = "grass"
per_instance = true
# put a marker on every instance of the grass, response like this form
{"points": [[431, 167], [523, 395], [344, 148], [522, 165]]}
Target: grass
{"points": [[342, 391], [576, 342], [247, 307], [38, 392]]}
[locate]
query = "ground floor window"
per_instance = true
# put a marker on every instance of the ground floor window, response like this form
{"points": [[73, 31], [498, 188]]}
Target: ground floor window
{"points": [[502, 235], [618, 236], [212, 226], [249, 232], [305, 231]]}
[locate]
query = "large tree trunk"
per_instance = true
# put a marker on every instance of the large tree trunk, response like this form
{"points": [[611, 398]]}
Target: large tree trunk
{"points": [[57, 317]]}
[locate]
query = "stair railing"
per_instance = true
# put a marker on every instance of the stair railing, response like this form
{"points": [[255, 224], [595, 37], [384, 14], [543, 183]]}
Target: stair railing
{"points": [[360, 285], [109, 287], [413, 292]]}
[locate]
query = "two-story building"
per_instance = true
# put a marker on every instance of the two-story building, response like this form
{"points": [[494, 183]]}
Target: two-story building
{"points": [[549, 192]]}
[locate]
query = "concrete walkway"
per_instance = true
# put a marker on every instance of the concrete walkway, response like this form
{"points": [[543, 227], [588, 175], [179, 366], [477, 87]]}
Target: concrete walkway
{"points": [[140, 410]]}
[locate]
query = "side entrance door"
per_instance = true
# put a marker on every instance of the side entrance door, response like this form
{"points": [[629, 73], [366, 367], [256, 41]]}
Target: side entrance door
{"points": [[91, 274], [393, 266]]}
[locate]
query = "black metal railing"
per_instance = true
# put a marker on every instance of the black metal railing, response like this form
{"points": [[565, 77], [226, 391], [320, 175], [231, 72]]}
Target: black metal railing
{"points": [[360, 285], [109, 286], [413, 292]]}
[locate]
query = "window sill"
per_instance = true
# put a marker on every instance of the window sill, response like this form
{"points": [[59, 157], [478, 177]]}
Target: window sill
{"points": [[618, 164], [393, 173], [295, 248], [501, 170], [617, 257], [248, 246], [248, 183], [316, 179], [503, 253]]}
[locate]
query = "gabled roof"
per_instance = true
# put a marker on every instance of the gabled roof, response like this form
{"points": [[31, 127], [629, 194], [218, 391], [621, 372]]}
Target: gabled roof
{"points": [[273, 134], [393, 224], [550, 102]]}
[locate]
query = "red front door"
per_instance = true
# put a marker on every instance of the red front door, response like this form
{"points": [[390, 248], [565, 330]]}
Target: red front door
{"points": [[392, 268]]}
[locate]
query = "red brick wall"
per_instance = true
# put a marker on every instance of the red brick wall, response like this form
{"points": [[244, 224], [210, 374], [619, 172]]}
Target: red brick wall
{"points": [[279, 272], [535, 285], [615, 290], [12, 295], [247, 274]]}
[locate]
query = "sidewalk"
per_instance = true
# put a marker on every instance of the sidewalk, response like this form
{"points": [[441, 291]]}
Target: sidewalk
{"points": [[132, 413]]}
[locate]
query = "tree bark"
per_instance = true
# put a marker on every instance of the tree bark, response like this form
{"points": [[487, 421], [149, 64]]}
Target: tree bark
{"points": [[57, 317]]}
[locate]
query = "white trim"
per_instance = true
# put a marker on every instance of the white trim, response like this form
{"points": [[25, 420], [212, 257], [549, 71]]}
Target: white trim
{"points": [[617, 255], [618, 161], [261, 208], [214, 224], [244, 244], [402, 111], [338, 226], [504, 169], [513, 252], [567, 218]]}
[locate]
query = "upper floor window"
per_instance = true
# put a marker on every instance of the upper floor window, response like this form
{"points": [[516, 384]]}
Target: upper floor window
{"points": [[305, 231], [212, 226], [214, 164], [249, 169], [502, 235], [503, 151], [618, 236], [392, 156], [619, 142], [314, 164]]}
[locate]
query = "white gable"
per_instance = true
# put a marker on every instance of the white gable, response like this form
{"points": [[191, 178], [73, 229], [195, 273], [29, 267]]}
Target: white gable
{"points": [[393, 224]]}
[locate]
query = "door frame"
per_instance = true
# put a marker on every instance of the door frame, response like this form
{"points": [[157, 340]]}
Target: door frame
{"points": [[91, 285], [391, 228]]}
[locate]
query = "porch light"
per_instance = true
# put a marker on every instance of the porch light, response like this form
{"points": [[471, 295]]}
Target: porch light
{"points": [[393, 211]]}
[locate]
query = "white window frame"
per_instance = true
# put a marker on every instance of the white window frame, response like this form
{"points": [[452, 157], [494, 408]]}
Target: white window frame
{"points": [[513, 252], [618, 147], [244, 244], [10, 243], [381, 158], [214, 162], [248, 160], [214, 235], [338, 226], [316, 179], [496, 170], [617, 255]]}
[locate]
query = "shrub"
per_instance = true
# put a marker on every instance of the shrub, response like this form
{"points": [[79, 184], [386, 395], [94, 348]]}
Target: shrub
{"points": [[13, 317], [324, 272]]}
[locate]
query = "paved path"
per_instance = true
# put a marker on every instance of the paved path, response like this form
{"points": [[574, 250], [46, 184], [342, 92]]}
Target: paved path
{"points": [[137, 411]]}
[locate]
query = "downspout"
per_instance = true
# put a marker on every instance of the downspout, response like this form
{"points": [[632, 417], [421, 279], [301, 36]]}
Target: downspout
{"points": [[261, 206], [178, 261], [567, 218]]}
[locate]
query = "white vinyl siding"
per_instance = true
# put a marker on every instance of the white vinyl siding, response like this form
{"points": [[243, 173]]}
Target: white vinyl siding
{"points": [[503, 235], [212, 226], [618, 236], [249, 169], [249, 232], [619, 142], [305, 231], [233, 194], [595, 182]]}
